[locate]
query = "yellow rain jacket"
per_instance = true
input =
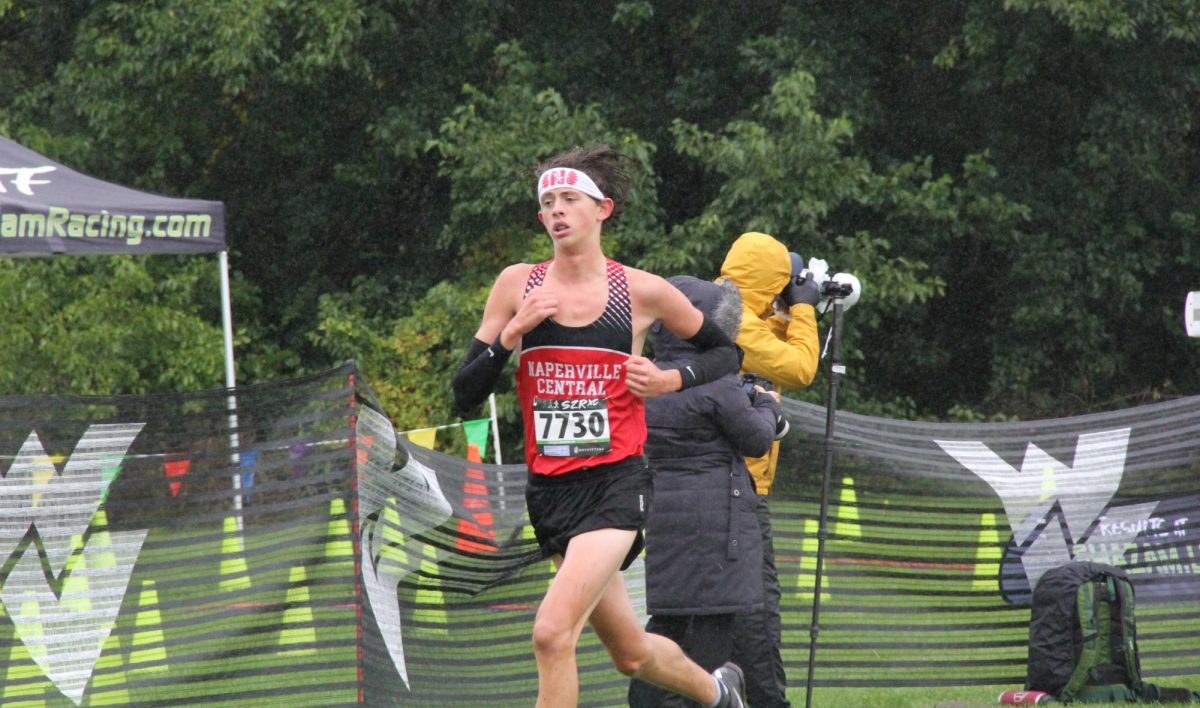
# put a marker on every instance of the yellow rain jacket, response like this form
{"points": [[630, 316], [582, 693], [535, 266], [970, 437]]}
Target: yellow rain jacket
{"points": [[785, 352]]}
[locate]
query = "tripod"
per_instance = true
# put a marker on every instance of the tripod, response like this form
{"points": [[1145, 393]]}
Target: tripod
{"points": [[836, 371]]}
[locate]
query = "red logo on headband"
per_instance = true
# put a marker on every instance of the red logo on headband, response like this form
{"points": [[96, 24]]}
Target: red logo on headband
{"points": [[563, 177]]}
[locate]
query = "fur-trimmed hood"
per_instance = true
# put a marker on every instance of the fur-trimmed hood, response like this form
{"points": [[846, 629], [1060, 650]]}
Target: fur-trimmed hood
{"points": [[720, 302]]}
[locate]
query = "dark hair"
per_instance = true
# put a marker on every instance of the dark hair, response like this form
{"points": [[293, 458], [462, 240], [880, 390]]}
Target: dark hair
{"points": [[609, 169]]}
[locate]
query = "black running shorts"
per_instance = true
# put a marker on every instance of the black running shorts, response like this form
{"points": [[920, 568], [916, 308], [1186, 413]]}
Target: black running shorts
{"points": [[612, 496]]}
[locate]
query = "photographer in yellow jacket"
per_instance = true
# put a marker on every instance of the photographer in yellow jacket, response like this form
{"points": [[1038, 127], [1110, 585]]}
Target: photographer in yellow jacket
{"points": [[778, 336]]}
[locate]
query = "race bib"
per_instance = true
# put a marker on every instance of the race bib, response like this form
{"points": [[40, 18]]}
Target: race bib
{"points": [[571, 427]]}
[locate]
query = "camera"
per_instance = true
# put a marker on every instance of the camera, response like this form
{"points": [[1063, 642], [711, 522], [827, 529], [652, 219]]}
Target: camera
{"points": [[834, 288], [749, 381], [839, 286]]}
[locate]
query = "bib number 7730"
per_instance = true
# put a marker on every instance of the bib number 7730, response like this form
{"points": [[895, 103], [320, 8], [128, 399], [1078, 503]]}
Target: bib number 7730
{"points": [[571, 427]]}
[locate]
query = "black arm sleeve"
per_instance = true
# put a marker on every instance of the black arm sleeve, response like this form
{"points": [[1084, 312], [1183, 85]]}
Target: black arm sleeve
{"points": [[718, 356], [478, 373]]}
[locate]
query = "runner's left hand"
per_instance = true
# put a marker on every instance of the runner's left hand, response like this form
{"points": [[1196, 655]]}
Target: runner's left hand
{"points": [[645, 380]]}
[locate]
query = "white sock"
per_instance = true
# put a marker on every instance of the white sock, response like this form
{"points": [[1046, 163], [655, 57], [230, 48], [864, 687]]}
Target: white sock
{"points": [[720, 693]]}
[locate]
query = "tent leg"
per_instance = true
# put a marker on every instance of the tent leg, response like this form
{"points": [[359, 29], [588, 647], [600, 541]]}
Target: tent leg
{"points": [[226, 318], [235, 457], [496, 447]]}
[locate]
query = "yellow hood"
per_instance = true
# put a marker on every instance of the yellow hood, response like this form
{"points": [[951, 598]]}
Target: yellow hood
{"points": [[760, 267]]}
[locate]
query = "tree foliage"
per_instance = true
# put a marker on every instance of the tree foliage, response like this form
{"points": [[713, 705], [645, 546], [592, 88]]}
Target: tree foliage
{"points": [[96, 326], [1015, 184]]}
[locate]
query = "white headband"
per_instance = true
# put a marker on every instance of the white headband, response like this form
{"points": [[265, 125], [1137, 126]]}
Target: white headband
{"points": [[567, 178]]}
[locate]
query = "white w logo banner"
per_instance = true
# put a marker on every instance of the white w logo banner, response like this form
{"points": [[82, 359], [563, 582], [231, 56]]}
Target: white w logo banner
{"points": [[278, 544], [50, 519]]}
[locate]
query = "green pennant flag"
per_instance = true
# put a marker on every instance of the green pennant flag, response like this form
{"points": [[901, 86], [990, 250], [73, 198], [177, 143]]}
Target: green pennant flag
{"points": [[477, 433]]}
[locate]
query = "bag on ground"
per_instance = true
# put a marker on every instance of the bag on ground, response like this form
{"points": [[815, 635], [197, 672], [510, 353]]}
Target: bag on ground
{"points": [[1083, 644]]}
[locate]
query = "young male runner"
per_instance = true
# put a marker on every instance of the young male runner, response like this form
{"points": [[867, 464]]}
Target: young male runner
{"points": [[579, 321]]}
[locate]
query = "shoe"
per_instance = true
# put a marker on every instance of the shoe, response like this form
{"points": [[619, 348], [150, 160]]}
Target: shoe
{"points": [[731, 677]]}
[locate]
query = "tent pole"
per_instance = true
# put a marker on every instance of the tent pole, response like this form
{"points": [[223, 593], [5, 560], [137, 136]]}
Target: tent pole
{"points": [[496, 447], [226, 318], [495, 427], [230, 382]]}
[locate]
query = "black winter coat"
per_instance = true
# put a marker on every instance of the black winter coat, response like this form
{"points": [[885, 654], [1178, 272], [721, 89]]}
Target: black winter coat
{"points": [[703, 545]]}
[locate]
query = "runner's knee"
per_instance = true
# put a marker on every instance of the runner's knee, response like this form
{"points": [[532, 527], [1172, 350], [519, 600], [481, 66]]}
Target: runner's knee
{"points": [[631, 659], [551, 638]]}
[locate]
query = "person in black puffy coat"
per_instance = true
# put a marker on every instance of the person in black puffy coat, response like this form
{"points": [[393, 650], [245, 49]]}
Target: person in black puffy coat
{"points": [[703, 545]]}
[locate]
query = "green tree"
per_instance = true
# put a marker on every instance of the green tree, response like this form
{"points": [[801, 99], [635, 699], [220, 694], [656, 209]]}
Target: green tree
{"points": [[1085, 112], [791, 172], [114, 324], [487, 148], [1015, 183], [1107, 92]]}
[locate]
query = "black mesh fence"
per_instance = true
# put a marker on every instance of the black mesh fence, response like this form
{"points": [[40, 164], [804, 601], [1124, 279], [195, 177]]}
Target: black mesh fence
{"points": [[279, 544]]}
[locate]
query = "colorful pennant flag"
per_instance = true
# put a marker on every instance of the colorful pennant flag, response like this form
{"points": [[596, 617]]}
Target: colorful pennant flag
{"points": [[248, 460], [176, 468], [477, 434], [297, 452], [425, 437]]}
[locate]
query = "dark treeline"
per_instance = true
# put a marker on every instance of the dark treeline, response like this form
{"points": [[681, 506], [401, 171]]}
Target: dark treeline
{"points": [[1015, 184]]}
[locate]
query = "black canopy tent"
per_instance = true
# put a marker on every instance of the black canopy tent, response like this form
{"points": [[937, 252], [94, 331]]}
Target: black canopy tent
{"points": [[49, 209]]}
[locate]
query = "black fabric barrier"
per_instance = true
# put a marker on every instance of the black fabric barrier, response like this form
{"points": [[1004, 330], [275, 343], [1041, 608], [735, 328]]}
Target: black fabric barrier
{"points": [[278, 544]]}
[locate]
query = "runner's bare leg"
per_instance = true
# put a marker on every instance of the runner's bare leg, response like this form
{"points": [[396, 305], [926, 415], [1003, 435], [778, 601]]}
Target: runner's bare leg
{"points": [[588, 584]]}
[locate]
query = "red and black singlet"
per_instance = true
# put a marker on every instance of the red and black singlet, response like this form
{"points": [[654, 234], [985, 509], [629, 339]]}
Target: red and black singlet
{"points": [[576, 407]]}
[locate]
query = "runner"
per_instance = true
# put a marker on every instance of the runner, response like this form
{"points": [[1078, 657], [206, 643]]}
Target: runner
{"points": [[579, 321]]}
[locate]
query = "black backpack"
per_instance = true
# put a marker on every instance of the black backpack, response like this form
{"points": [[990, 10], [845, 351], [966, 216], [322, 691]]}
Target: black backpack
{"points": [[1083, 638]]}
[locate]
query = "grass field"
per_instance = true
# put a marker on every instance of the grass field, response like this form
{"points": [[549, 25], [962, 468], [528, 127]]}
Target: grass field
{"points": [[911, 616], [911, 605]]}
